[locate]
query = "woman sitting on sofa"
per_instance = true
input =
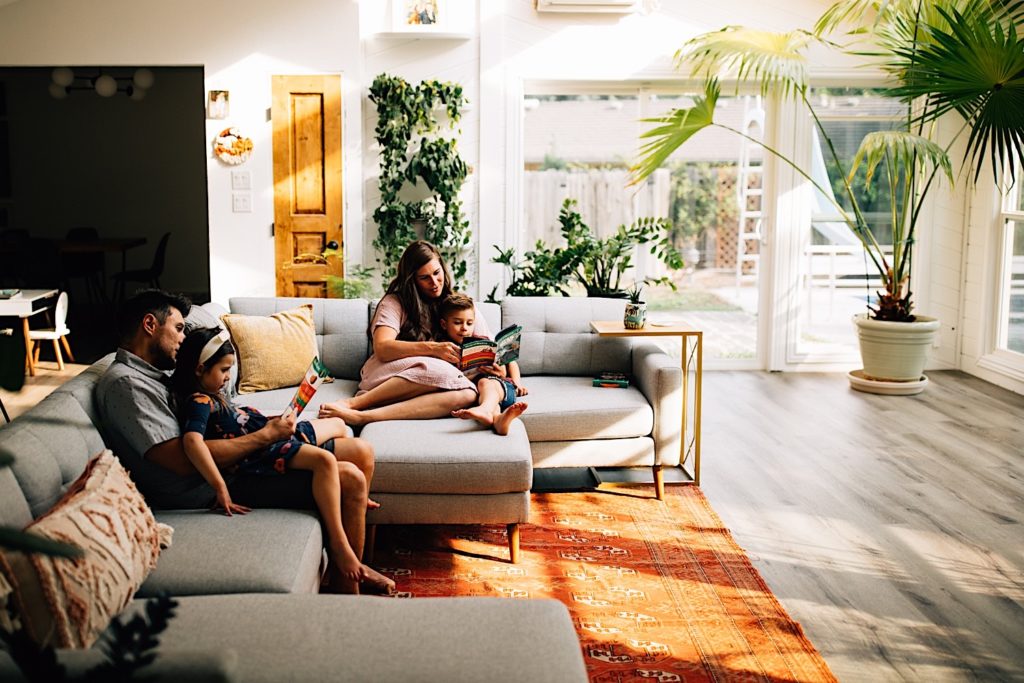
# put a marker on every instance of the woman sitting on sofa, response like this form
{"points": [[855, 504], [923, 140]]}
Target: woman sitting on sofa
{"points": [[409, 376]]}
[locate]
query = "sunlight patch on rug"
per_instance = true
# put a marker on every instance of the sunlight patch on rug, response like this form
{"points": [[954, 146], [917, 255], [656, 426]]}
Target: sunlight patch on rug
{"points": [[657, 591]]}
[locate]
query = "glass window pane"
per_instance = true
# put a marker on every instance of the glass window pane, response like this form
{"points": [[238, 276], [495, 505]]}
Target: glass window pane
{"points": [[580, 146], [837, 276], [1013, 315]]}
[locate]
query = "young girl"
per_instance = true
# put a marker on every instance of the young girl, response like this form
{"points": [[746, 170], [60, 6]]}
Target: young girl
{"points": [[203, 371]]}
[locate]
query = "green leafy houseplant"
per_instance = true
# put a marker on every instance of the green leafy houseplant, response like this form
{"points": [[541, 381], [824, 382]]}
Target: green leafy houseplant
{"points": [[598, 263], [412, 151], [941, 56]]}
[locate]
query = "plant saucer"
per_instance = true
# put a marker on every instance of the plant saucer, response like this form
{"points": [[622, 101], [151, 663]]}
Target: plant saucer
{"points": [[859, 382]]}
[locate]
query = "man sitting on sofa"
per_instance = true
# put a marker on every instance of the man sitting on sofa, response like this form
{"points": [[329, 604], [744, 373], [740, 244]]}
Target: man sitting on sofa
{"points": [[140, 426]]}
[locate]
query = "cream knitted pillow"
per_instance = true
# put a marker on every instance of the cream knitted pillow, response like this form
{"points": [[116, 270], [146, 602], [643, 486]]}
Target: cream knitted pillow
{"points": [[273, 351], [70, 602]]}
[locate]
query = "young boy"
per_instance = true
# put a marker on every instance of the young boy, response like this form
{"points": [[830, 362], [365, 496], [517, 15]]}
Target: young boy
{"points": [[497, 385]]}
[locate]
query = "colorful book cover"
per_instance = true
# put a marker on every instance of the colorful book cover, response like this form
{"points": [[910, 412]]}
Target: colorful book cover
{"points": [[315, 376], [611, 379], [480, 352]]}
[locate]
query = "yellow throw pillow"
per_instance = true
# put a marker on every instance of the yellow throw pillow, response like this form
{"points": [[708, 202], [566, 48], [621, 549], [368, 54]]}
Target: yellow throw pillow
{"points": [[273, 351], [70, 602]]}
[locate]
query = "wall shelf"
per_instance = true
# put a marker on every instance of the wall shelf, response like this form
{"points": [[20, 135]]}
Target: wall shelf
{"points": [[425, 35]]}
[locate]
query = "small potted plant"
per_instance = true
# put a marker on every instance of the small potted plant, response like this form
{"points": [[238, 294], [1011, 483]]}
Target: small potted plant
{"points": [[635, 316]]}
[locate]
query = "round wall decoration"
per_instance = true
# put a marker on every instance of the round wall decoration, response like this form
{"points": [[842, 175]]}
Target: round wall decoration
{"points": [[232, 147]]}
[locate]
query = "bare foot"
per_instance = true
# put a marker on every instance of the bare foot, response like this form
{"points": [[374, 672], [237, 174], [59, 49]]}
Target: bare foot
{"points": [[503, 422], [351, 416], [327, 410], [377, 582], [371, 504], [342, 586], [347, 565], [475, 413]]}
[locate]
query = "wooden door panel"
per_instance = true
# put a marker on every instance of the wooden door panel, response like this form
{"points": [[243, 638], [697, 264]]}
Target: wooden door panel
{"points": [[306, 115]]}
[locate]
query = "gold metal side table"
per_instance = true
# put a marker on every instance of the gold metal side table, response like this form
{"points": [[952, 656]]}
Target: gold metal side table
{"points": [[692, 360]]}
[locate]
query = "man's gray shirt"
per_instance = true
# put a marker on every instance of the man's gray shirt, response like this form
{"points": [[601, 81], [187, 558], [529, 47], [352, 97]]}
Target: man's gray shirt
{"points": [[134, 404]]}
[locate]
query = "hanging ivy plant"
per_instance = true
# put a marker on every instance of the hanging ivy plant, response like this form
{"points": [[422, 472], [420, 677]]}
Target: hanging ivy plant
{"points": [[413, 151]]}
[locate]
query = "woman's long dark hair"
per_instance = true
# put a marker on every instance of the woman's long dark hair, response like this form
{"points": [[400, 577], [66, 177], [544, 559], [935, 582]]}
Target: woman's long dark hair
{"points": [[184, 382], [420, 315]]}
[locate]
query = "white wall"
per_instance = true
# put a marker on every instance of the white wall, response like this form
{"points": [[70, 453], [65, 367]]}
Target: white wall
{"points": [[240, 46]]}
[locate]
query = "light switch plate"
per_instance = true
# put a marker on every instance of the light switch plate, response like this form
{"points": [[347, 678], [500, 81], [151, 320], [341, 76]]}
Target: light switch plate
{"points": [[241, 202], [241, 180]]}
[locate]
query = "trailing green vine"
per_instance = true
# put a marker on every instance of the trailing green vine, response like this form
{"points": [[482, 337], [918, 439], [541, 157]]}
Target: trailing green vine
{"points": [[405, 112]]}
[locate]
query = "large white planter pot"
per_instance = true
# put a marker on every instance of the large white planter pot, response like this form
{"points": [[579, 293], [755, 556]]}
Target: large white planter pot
{"points": [[895, 352]]}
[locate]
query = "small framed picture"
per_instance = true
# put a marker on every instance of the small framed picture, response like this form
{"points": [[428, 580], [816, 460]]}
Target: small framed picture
{"points": [[418, 15], [217, 106]]}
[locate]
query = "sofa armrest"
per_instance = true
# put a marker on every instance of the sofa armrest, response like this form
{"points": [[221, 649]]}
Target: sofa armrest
{"points": [[660, 379]]}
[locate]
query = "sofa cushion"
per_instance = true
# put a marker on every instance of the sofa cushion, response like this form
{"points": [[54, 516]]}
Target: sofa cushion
{"points": [[68, 603], [340, 326], [51, 445], [358, 638], [448, 456], [572, 409], [274, 402], [273, 351], [264, 551], [557, 339]]}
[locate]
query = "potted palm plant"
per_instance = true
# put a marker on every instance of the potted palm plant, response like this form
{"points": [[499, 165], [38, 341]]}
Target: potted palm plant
{"points": [[941, 57]]}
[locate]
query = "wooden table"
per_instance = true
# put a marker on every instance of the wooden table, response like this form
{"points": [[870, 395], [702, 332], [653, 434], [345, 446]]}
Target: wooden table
{"points": [[692, 361], [24, 305], [101, 245]]}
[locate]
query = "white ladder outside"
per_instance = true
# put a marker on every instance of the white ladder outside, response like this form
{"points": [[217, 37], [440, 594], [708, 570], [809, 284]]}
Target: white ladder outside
{"points": [[749, 194]]}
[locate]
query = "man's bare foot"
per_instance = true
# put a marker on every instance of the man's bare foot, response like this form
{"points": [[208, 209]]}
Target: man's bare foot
{"points": [[347, 565], [371, 504], [475, 413], [376, 582], [503, 422], [351, 416]]}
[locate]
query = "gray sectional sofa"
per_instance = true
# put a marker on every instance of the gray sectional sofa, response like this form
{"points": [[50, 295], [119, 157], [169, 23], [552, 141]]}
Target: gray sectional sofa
{"points": [[241, 579], [450, 470], [246, 586]]}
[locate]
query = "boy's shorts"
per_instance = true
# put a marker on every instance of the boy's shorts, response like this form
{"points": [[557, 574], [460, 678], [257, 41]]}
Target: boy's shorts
{"points": [[510, 391]]}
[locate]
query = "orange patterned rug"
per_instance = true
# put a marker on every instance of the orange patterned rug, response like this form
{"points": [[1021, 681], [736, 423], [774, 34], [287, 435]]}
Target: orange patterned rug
{"points": [[656, 590]]}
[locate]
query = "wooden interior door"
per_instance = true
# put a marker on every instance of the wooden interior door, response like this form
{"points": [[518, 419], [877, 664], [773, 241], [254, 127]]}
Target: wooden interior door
{"points": [[306, 115]]}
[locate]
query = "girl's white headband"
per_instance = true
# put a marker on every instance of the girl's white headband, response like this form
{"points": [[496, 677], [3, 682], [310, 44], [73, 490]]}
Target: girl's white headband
{"points": [[211, 346]]}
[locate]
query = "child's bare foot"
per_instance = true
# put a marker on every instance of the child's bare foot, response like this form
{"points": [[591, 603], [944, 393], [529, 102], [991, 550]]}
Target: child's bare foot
{"points": [[503, 422], [351, 416], [377, 582], [475, 413], [328, 410], [371, 504], [349, 568]]}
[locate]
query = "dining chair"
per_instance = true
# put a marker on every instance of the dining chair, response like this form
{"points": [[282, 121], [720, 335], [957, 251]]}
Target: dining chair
{"points": [[151, 275], [58, 335]]}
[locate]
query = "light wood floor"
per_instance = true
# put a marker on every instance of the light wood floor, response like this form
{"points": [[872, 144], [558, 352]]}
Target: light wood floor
{"points": [[889, 527]]}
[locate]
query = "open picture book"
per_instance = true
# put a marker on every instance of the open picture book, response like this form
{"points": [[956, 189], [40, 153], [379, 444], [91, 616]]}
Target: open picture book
{"points": [[478, 352], [314, 377]]}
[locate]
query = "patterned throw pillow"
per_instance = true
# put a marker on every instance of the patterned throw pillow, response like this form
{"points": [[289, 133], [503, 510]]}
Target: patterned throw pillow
{"points": [[69, 602], [273, 351]]}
